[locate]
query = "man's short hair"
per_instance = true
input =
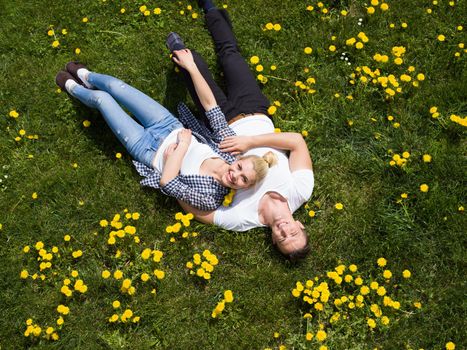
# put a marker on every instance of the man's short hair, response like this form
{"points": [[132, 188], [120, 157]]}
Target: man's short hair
{"points": [[300, 253]]}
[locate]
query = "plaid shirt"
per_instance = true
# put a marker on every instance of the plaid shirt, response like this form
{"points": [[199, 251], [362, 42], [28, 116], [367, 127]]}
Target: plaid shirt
{"points": [[200, 191]]}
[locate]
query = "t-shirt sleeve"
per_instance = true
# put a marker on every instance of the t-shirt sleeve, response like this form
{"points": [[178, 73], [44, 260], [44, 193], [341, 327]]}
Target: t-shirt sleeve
{"points": [[303, 184], [227, 218]]}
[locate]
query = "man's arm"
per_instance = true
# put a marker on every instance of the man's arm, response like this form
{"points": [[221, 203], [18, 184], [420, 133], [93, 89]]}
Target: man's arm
{"points": [[299, 157], [206, 217]]}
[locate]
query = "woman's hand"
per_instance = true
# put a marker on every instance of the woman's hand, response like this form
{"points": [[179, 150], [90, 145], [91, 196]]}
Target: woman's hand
{"points": [[184, 58], [236, 144], [184, 137], [169, 150]]}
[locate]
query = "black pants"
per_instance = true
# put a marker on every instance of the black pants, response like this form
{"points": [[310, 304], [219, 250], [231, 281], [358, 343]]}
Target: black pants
{"points": [[243, 94]]}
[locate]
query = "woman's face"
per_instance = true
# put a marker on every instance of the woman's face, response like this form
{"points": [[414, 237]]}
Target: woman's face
{"points": [[240, 174]]}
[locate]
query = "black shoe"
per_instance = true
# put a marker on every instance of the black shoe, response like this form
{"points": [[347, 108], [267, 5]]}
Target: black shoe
{"points": [[62, 77], [72, 68], [174, 42]]}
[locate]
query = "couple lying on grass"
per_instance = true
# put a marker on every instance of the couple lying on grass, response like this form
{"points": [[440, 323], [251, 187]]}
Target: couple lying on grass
{"points": [[195, 160]]}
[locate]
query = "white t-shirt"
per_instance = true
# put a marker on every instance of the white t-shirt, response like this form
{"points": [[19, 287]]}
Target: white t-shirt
{"points": [[296, 187], [196, 154]]}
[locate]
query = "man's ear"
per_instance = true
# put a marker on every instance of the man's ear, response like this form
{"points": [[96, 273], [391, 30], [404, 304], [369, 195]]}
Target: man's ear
{"points": [[301, 225]]}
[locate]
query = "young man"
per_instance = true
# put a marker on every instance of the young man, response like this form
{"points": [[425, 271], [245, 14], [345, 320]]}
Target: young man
{"points": [[290, 183]]}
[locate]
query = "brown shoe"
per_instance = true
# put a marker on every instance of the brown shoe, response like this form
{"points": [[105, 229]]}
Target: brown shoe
{"points": [[61, 78], [72, 68]]}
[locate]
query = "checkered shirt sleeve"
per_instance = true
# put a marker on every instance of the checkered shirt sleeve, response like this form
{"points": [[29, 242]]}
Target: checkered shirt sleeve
{"points": [[219, 124], [189, 121], [204, 193]]}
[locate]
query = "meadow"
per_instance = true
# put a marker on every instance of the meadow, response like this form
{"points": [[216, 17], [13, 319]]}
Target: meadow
{"points": [[91, 260]]}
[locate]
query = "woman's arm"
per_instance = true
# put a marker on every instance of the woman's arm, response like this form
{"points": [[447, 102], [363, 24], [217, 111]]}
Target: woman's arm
{"points": [[174, 160], [204, 216], [299, 157], [184, 59]]}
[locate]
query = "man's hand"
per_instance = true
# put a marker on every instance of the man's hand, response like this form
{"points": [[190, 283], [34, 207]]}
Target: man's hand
{"points": [[184, 59], [236, 144]]}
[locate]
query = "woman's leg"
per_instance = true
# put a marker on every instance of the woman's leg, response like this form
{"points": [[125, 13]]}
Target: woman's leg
{"points": [[144, 108], [131, 134], [242, 89]]}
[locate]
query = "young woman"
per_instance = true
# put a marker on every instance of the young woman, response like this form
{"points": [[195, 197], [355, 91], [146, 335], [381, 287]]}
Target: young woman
{"points": [[191, 169]]}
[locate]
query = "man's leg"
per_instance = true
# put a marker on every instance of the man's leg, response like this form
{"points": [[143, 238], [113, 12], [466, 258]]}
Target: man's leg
{"points": [[242, 89], [225, 105]]}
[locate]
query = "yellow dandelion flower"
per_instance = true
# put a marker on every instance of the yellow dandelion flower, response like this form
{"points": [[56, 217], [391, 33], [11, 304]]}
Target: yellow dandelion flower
{"points": [[424, 187], [272, 110], [254, 59], [321, 335], [450, 346], [381, 262], [228, 296]]}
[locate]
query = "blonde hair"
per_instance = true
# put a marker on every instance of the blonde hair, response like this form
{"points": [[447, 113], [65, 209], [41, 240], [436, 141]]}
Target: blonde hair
{"points": [[262, 164]]}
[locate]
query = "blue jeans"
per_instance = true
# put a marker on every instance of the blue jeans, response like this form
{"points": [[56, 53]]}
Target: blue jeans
{"points": [[140, 140]]}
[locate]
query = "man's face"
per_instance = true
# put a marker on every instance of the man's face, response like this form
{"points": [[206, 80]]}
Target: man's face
{"points": [[288, 235]]}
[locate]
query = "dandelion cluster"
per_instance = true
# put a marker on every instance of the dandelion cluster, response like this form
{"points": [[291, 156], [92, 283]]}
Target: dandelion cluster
{"points": [[145, 11], [347, 295], [389, 83], [400, 160], [135, 268], [202, 265], [383, 6], [125, 317], [182, 221], [306, 86], [260, 68], [435, 114], [273, 108], [272, 26], [72, 283], [228, 198], [56, 35], [35, 330], [45, 271], [43, 257], [121, 231], [358, 42], [228, 298]]}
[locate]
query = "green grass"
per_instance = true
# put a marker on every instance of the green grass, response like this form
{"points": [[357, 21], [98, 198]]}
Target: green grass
{"points": [[424, 233]]}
